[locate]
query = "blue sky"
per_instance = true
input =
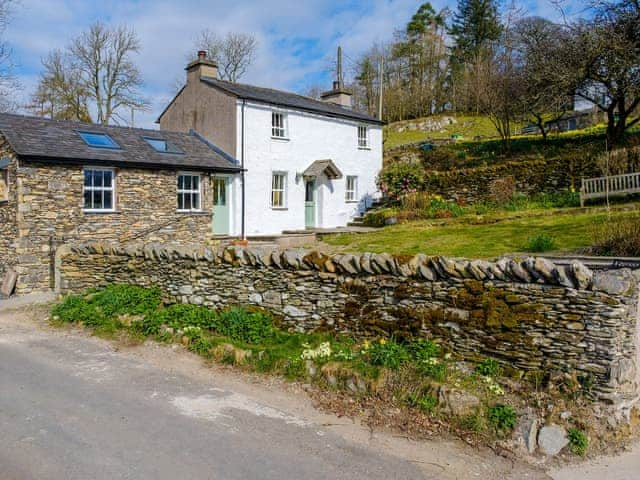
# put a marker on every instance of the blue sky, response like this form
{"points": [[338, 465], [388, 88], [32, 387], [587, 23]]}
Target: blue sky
{"points": [[297, 39]]}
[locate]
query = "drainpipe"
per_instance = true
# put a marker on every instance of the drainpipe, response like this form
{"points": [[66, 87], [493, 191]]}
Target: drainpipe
{"points": [[242, 176]]}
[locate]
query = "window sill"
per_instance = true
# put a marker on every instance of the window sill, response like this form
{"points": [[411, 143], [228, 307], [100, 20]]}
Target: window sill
{"points": [[280, 208], [192, 212], [280, 139], [352, 201], [364, 148], [102, 212]]}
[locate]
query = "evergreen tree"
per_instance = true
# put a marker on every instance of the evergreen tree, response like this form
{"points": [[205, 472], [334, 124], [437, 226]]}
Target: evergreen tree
{"points": [[475, 25]]}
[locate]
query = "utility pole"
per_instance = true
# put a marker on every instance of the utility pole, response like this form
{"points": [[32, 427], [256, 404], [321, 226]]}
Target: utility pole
{"points": [[381, 87], [339, 72]]}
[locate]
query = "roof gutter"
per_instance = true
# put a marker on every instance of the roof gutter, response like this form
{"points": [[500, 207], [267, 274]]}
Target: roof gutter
{"points": [[128, 164]]}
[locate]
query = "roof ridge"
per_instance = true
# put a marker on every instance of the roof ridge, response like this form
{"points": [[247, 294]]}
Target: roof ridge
{"points": [[86, 125]]}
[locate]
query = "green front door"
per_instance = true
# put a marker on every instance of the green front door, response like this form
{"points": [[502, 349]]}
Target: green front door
{"points": [[309, 203], [221, 206]]}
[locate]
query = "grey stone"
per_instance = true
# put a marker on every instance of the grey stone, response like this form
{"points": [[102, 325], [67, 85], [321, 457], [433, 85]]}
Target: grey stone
{"points": [[291, 311], [552, 439], [531, 434], [518, 272], [185, 290], [582, 275], [255, 298], [619, 282], [457, 402]]}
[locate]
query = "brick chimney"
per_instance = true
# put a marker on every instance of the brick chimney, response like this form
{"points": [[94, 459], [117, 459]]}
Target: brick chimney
{"points": [[201, 67], [338, 95]]}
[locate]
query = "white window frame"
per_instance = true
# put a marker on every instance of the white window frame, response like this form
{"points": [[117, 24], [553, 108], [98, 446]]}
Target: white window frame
{"points": [[283, 190], [112, 189], [351, 194], [279, 130], [190, 191], [4, 178], [363, 140]]}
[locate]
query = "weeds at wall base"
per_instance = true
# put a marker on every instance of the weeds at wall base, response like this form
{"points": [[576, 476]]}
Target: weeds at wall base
{"points": [[405, 384]]}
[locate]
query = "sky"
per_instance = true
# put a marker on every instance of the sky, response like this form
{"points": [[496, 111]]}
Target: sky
{"points": [[297, 39]]}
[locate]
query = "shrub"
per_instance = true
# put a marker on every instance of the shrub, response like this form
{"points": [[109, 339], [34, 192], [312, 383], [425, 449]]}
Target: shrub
{"points": [[126, 299], [503, 417], [178, 316], [578, 441], [541, 242], [619, 237], [400, 178], [378, 218], [489, 367], [242, 326], [75, 309], [387, 353]]}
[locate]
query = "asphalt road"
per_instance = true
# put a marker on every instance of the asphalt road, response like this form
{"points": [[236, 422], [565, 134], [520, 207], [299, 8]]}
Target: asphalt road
{"points": [[74, 408]]}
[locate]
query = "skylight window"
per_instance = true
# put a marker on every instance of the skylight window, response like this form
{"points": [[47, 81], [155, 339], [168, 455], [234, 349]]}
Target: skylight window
{"points": [[98, 140], [163, 146]]}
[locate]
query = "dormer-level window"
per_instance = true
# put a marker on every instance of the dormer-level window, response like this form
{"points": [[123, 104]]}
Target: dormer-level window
{"points": [[363, 136], [163, 146], [278, 125], [98, 140]]}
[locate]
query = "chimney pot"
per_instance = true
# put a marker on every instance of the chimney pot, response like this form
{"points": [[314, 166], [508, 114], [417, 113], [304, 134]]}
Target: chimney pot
{"points": [[202, 54]]}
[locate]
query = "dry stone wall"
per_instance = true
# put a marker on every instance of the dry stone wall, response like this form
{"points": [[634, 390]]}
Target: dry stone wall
{"points": [[530, 314]]}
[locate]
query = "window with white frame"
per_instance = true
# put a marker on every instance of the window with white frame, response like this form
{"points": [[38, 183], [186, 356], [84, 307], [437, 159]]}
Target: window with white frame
{"points": [[363, 136], [99, 190], [278, 125], [4, 185], [351, 192], [189, 192], [279, 190]]}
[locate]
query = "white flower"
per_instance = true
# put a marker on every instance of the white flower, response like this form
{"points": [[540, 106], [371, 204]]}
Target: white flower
{"points": [[323, 351]]}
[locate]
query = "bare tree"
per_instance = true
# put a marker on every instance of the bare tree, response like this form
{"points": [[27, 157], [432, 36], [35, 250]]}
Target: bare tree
{"points": [[546, 95], [8, 82], [102, 55], [606, 51], [61, 91], [233, 53]]}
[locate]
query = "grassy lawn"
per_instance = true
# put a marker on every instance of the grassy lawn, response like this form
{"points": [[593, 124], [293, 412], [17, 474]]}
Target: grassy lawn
{"points": [[477, 237]]}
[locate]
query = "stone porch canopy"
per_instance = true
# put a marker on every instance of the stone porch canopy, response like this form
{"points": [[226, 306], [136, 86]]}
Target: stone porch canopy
{"points": [[59, 141], [326, 167]]}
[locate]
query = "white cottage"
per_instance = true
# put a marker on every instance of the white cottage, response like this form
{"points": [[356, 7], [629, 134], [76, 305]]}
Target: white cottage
{"points": [[306, 163]]}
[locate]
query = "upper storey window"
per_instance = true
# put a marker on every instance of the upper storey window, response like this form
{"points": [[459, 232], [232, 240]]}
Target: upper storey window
{"points": [[278, 125], [363, 136]]}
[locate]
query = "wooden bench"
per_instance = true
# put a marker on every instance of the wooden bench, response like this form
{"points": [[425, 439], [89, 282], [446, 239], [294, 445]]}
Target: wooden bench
{"points": [[614, 185]]}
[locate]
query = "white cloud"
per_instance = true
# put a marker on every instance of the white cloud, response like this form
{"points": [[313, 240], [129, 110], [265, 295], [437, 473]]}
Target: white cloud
{"points": [[297, 38]]}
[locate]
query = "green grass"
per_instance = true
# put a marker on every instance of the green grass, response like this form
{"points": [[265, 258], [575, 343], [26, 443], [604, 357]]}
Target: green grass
{"points": [[477, 237], [467, 126]]}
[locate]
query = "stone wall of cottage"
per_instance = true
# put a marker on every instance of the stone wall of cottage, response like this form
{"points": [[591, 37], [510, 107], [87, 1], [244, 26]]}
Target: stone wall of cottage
{"points": [[50, 212], [530, 314], [8, 218]]}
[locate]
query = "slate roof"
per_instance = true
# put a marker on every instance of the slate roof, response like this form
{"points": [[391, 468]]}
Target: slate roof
{"points": [[323, 166], [286, 99], [59, 141]]}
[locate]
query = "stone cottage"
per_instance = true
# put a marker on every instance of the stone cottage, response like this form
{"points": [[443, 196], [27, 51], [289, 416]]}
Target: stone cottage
{"points": [[64, 181], [310, 163]]}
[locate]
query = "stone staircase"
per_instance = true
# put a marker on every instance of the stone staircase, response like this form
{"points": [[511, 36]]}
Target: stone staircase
{"points": [[359, 220]]}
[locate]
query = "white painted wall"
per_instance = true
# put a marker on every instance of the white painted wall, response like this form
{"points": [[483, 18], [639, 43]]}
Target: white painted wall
{"points": [[310, 137]]}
